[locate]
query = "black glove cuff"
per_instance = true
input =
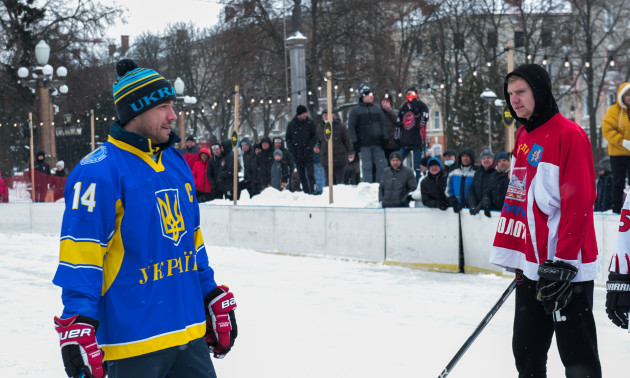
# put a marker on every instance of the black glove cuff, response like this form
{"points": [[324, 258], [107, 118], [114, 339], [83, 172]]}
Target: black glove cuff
{"points": [[211, 295], [557, 271], [87, 320], [618, 283]]}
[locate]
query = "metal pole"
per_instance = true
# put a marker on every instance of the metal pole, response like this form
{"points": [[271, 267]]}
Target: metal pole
{"points": [[30, 126], [330, 140], [235, 171], [489, 129]]}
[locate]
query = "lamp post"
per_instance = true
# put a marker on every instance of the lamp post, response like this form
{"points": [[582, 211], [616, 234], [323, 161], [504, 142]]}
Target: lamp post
{"points": [[489, 96], [179, 86], [42, 81]]}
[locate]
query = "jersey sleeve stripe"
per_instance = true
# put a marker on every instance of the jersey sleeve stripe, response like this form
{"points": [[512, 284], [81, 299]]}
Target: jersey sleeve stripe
{"points": [[81, 252]]}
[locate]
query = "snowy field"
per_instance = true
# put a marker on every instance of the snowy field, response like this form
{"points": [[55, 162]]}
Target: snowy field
{"points": [[302, 317]]}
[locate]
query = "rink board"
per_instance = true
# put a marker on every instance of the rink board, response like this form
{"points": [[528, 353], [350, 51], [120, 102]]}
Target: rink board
{"points": [[418, 237]]}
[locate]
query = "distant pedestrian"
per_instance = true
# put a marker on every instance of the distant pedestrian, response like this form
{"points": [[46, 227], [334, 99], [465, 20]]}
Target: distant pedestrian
{"points": [[494, 195], [4, 192], [616, 130], [412, 121], [481, 181], [433, 187], [450, 163], [301, 137], [460, 178], [605, 180], [279, 171], [368, 132], [342, 148], [203, 187], [191, 151], [390, 117]]}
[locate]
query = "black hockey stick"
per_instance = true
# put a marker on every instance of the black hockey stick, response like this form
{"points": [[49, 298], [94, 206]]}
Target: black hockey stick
{"points": [[480, 327]]}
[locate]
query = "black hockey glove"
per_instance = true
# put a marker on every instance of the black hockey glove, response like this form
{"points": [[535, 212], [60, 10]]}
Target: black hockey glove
{"points": [[457, 207], [221, 330], [618, 298], [554, 285], [474, 210], [486, 212]]}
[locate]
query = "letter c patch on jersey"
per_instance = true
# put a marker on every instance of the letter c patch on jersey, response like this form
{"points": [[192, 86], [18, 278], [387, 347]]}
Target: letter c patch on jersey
{"points": [[171, 218]]}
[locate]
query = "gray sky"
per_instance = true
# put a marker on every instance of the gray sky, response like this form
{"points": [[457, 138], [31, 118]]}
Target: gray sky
{"points": [[155, 15]]}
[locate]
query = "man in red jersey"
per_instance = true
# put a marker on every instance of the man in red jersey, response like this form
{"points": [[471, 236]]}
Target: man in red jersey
{"points": [[546, 233]]}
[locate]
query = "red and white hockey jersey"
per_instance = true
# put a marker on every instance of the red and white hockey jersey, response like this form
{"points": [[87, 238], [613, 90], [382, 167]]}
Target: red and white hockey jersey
{"points": [[548, 209]]}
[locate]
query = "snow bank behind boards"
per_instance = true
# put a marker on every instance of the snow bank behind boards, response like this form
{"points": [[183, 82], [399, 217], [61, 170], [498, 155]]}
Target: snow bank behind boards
{"points": [[419, 237]]}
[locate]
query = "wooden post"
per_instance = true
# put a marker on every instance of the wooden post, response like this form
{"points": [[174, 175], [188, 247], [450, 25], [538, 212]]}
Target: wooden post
{"points": [[235, 145], [30, 126], [92, 128], [330, 140], [509, 132]]}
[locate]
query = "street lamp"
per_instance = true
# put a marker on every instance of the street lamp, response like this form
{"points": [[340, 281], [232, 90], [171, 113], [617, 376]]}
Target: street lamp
{"points": [[42, 81], [179, 86], [489, 96]]}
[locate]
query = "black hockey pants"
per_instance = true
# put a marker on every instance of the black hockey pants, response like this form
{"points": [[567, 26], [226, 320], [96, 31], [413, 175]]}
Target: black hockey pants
{"points": [[191, 360], [574, 328]]}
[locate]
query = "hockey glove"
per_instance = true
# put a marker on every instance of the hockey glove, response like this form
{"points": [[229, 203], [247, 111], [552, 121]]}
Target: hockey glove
{"points": [[618, 298], [457, 207], [486, 212], [79, 349], [474, 210], [554, 285], [221, 330]]}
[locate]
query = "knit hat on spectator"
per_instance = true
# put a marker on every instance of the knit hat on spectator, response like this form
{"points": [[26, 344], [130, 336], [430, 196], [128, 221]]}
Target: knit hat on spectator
{"points": [[434, 161], [449, 152], [395, 155], [503, 155], [190, 138], [61, 164], [364, 90], [301, 109], [277, 152], [604, 164], [139, 89], [486, 153]]}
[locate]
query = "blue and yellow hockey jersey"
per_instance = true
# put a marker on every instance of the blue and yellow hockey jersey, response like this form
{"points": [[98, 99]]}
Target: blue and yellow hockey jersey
{"points": [[132, 255]]}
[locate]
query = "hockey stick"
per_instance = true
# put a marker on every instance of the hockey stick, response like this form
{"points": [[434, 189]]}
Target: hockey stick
{"points": [[480, 327]]}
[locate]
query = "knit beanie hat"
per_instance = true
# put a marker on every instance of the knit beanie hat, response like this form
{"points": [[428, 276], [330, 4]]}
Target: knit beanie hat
{"points": [[503, 155], [190, 138], [61, 164], [364, 90], [486, 153], [277, 152], [301, 109], [138, 90]]}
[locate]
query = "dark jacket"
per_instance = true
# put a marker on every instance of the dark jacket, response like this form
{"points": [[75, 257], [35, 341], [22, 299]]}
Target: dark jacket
{"points": [[481, 182], [412, 124], [249, 162], [604, 192], [494, 196], [41, 165], [341, 144], [367, 126], [433, 189], [264, 160], [279, 174], [390, 118], [301, 138], [395, 185]]}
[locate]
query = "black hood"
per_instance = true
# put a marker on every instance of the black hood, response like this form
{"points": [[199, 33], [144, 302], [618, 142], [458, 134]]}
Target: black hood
{"points": [[540, 83], [227, 146], [466, 151]]}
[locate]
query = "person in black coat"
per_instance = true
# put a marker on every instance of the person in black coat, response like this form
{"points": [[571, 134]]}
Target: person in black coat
{"points": [[213, 171], [301, 138], [433, 186], [342, 149], [494, 196], [368, 132], [264, 160], [41, 177], [481, 181], [249, 168], [397, 182], [604, 185]]}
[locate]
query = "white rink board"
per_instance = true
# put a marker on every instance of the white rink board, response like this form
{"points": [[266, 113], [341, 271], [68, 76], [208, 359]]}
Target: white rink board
{"points": [[477, 237], [409, 236], [422, 236]]}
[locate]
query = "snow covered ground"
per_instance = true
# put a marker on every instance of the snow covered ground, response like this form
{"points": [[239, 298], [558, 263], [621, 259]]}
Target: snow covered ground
{"points": [[306, 317]]}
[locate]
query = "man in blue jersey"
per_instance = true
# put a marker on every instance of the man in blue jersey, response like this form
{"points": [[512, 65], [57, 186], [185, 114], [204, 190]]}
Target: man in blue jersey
{"points": [[139, 296]]}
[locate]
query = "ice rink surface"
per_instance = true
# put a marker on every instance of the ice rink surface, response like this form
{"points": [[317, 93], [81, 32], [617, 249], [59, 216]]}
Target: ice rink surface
{"points": [[301, 317]]}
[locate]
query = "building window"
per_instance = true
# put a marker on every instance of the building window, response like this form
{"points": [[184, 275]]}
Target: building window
{"points": [[436, 120], [519, 39]]}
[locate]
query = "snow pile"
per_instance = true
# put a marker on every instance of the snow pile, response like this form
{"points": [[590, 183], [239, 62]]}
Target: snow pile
{"points": [[364, 195]]}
